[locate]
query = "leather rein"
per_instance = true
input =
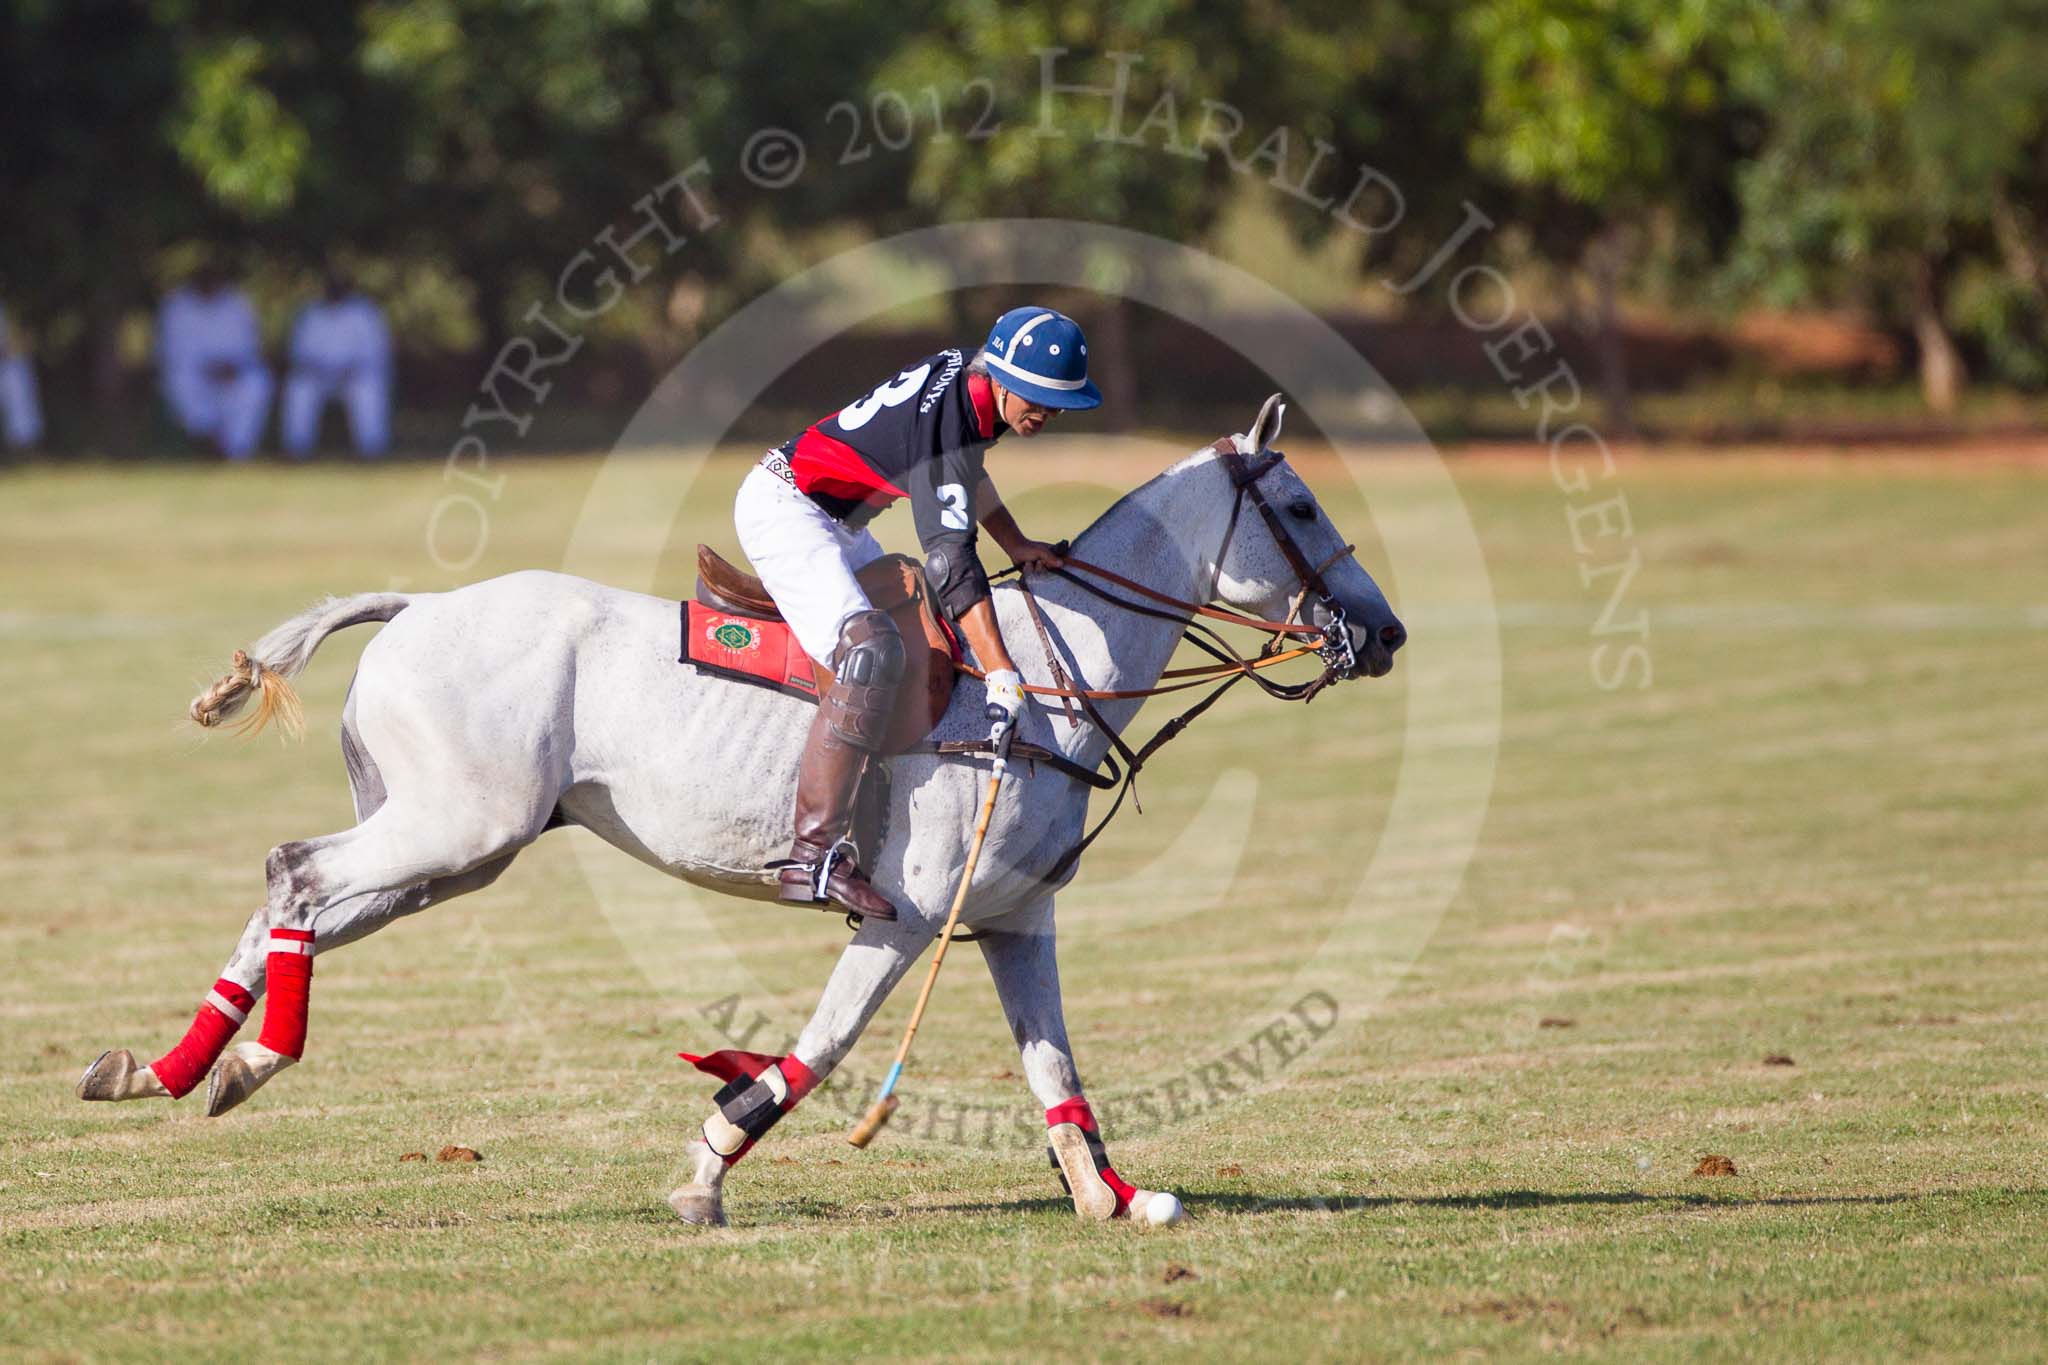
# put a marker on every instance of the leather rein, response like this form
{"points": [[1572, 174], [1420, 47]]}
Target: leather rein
{"points": [[1332, 642]]}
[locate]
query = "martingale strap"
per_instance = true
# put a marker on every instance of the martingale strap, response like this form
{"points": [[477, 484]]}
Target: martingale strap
{"points": [[1124, 781], [1028, 752], [1052, 656]]}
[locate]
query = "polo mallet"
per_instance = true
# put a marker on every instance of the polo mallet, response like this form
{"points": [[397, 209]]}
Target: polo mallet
{"points": [[885, 1103]]}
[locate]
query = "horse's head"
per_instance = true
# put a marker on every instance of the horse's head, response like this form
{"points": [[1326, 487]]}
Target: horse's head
{"points": [[1283, 554]]}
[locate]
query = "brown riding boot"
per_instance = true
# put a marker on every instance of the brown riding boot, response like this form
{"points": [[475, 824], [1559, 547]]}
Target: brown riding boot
{"points": [[819, 860], [852, 717]]}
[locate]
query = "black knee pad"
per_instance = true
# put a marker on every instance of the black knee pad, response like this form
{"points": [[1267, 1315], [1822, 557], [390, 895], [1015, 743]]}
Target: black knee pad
{"points": [[869, 666], [956, 577], [870, 652]]}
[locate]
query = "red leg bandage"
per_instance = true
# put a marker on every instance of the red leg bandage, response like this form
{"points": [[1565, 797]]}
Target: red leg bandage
{"points": [[289, 982], [220, 1014], [802, 1080], [1077, 1112]]}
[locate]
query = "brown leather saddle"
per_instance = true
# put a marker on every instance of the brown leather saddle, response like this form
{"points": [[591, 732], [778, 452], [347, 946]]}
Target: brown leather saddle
{"points": [[896, 585]]}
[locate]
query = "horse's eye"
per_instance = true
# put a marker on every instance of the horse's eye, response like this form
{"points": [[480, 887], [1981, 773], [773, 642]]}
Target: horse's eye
{"points": [[1302, 511]]}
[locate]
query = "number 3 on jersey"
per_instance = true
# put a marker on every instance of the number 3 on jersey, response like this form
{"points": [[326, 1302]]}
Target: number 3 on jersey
{"points": [[953, 508], [854, 416]]}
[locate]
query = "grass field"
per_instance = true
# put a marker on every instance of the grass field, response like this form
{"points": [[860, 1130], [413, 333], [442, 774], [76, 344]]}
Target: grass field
{"points": [[1819, 833]]}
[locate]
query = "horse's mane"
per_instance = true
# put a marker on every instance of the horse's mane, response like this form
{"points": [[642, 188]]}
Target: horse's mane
{"points": [[1179, 468]]}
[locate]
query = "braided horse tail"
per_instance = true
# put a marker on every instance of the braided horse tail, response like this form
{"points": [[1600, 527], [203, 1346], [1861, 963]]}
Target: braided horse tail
{"points": [[264, 670]]}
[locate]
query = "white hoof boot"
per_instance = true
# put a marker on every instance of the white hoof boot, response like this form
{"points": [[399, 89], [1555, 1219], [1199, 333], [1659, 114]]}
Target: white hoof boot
{"points": [[702, 1201], [114, 1076], [241, 1074], [1093, 1198]]}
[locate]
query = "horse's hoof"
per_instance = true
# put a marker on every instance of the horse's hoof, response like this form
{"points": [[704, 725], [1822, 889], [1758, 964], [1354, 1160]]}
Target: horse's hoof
{"points": [[233, 1081], [241, 1074], [1093, 1198], [699, 1205], [114, 1076]]}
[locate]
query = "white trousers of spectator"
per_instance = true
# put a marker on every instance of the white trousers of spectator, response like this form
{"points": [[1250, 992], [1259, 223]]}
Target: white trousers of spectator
{"points": [[22, 414], [366, 394], [229, 412], [806, 558]]}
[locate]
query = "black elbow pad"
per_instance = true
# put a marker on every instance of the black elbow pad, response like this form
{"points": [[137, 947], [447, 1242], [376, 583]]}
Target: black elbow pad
{"points": [[956, 577]]}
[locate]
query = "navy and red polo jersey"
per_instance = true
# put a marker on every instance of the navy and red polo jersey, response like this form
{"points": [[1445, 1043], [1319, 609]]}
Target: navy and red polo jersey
{"points": [[921, 436]]}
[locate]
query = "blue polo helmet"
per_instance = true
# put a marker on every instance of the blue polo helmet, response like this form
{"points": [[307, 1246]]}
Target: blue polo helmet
{"points": [[1042, 355]]}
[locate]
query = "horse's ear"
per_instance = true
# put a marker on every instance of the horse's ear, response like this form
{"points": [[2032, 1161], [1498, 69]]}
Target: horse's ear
{"points": [[1266, 428]]}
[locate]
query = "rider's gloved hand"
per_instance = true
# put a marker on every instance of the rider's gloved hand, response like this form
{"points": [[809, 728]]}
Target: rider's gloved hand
{"points": [[1005, 702]]}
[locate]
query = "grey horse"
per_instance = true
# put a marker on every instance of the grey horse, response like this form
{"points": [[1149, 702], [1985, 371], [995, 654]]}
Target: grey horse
{"points": [[481, 717]]}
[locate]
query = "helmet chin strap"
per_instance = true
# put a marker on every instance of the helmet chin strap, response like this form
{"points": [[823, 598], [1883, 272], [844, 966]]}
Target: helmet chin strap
{"points": [[1005, 394]]}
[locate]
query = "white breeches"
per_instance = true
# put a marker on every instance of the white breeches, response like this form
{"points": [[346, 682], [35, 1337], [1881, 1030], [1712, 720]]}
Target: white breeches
{"points": [[366, 394], [22, 414], [806, 559], [230, 412]]}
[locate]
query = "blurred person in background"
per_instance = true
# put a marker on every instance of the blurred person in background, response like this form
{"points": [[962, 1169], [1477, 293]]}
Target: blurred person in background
{"points": [[210, 352], [21, 416], [340, 347]]}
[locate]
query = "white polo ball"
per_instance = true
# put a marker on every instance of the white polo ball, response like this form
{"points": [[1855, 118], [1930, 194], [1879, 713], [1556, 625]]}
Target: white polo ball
{"points": [[1162, 1210]]}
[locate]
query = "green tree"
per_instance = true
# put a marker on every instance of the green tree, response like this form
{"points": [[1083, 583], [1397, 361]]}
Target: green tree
{"points": [[1906, 154], [1609, 113], [1377, 85], [138, 136], [88, 190], [484, 140]]}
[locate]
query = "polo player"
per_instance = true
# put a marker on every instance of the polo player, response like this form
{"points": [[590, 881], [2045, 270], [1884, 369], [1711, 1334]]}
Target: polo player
{"points": [[802, 517]]}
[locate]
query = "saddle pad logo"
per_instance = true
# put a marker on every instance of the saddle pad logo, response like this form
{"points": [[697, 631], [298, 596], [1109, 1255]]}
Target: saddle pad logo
{"points": [[735, 636]]}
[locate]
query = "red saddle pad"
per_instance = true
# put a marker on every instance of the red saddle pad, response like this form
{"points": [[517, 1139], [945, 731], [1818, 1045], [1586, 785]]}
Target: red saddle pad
{"points": [[741, 647]]}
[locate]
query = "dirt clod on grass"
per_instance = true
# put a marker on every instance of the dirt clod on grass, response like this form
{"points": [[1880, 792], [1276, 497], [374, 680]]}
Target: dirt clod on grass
{"points": [[454, 1153], [1714, 1165], [1232, 1169], [1176, 1272], [1520, 1308], [1778, 1059], [414, 1156], [1165, 1308], [1556, 1021]]}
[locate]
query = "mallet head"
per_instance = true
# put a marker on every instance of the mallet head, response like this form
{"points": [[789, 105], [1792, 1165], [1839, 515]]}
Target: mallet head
{"points": [[871, 1123]]}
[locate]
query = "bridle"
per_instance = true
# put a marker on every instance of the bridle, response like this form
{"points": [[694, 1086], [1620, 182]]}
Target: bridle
{"points": [[1339, 657], [1331, 642]]}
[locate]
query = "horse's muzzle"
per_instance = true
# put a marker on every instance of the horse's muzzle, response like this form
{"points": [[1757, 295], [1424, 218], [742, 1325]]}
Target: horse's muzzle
{"points": [[1372, 643]]}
